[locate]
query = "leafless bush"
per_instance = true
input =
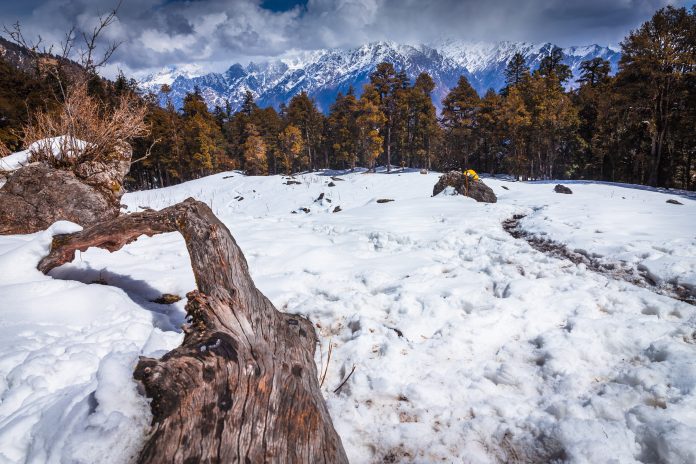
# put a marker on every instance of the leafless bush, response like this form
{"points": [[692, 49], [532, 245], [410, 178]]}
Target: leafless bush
{"points": [[88, 129], [4, 151]]}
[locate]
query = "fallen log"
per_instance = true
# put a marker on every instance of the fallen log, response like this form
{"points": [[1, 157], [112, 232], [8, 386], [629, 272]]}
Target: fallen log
{"points": [[243, 385]]}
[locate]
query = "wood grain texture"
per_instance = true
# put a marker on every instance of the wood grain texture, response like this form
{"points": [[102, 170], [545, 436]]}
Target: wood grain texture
{"points": [[243, 385]]}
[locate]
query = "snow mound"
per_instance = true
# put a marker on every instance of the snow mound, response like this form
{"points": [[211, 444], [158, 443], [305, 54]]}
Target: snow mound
{"points": [[54, 145], [63, 145]]}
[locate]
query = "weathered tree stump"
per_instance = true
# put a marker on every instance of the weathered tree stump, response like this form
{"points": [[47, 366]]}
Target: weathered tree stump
{"points": [[243, 385]]}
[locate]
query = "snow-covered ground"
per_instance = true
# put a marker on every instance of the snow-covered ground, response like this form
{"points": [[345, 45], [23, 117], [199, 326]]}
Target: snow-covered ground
{"points": [[468, 344]]}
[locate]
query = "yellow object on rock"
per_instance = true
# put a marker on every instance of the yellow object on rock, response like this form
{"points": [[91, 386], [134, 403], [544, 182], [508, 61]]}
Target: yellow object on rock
{"points": [[472, 174]]}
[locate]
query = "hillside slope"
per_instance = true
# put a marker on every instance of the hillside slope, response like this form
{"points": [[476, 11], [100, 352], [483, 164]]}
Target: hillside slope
{"points": [[468, 344]]}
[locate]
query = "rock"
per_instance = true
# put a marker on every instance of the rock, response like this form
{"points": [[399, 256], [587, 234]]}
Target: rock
{"points": [[674, 202], [293, 182], [37, 195], [166, 299], [384, 200], [107, 175], [337, 209], [505, 187], [320, 197], [475, 189], [423, 171], [331, 184], [562, 189], [305, 210], [337, 178]]}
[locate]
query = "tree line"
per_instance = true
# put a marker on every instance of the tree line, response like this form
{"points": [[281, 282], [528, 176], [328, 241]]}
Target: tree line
{"points": [[636, 126]]}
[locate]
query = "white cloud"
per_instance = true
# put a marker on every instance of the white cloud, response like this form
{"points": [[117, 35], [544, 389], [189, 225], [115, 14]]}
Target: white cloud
{"points": [[220, 32]]}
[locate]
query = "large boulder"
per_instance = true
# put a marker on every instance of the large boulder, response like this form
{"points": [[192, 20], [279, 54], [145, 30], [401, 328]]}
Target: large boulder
{"points": [[466, 186], [38, 195]]}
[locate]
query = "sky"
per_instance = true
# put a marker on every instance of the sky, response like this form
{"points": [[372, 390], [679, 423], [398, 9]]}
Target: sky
{"points": [[217, 33]]}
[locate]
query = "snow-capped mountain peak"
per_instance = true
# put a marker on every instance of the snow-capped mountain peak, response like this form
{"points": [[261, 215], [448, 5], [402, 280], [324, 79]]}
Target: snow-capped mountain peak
{"points": [[325, 72]]}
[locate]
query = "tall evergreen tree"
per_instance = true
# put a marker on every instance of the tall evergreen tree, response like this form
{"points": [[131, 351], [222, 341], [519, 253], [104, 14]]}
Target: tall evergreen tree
{"points": [[656, 61], [291, 145], [255, 162], [303, 114], [552, 65], [459, 110], [516, 71], [342, 130], [369, 121], [386, 83], [249, 104], [594, 72]]}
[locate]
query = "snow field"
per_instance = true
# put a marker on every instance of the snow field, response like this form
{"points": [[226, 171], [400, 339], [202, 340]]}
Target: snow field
{"points": [[468, 345]]}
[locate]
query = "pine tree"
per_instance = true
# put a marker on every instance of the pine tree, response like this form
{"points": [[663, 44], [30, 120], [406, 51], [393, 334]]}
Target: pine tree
{"points": [[291, 147], [490, 147], [303, 113], [594, 72], [515, 120], [204, 143], [553, 126], [386, 82], [248, 105], [255, 162], [459, 110], [516, 71], [655, 64], [342, 130], [422, 120], [552, 65], [369, 121], [594, 90]]}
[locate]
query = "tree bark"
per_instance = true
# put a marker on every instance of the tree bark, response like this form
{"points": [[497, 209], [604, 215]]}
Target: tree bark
{"points": [[243, 385]]}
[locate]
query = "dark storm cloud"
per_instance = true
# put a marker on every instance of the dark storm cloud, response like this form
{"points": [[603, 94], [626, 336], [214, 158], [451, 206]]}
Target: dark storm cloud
{"points": [[218, 32]]}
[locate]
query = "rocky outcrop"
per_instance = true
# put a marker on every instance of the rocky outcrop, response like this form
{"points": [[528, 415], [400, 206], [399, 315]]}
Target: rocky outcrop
{"points": [[466, 186], [107, 176], [37, 195]]}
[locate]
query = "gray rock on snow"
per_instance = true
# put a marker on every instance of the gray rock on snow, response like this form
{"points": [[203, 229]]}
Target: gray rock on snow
{"points": [[562, 189]]}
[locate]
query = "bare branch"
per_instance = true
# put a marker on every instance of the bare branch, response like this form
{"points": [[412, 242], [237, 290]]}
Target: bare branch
{"points": [[87, 55], [148, 152]]}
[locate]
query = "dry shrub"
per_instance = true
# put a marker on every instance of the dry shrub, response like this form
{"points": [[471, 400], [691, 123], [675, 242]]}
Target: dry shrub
{"points": [[83, 118], [4, 151]]}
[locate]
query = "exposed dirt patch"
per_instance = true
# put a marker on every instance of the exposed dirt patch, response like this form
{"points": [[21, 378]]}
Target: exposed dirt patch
{"points": [[616, 271]]}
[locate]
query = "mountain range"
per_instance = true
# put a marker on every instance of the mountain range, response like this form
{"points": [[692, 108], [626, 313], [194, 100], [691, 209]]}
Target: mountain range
{"points": [[323, 73]]}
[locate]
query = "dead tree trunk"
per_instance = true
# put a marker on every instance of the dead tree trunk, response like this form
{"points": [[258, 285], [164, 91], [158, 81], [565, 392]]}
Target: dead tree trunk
{"points": [[243, 385]]}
